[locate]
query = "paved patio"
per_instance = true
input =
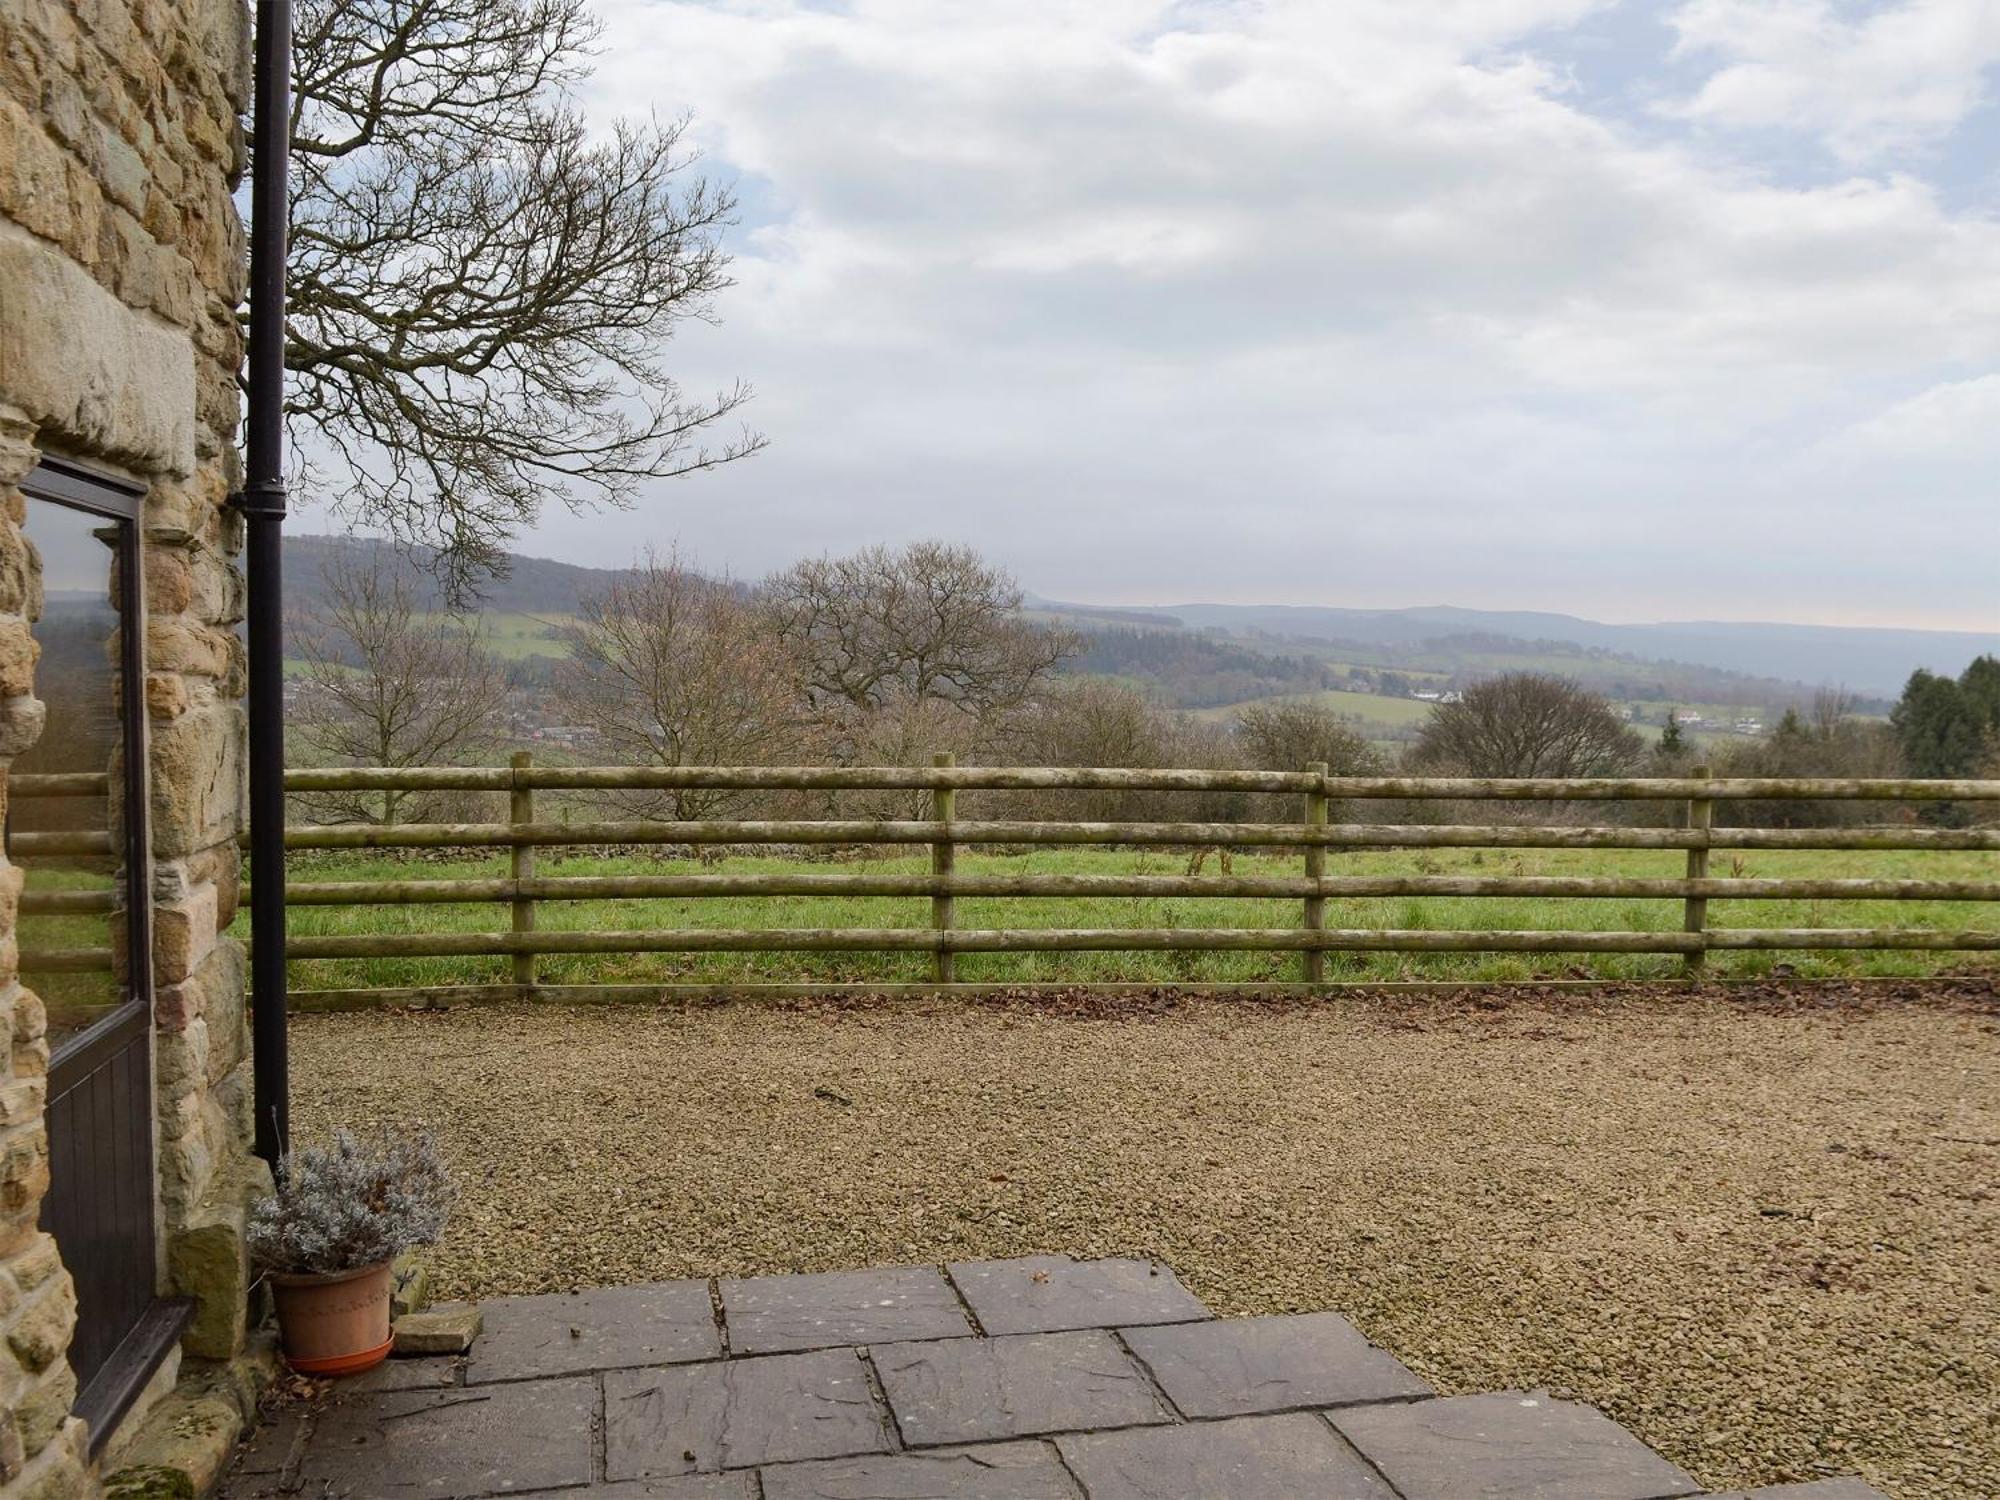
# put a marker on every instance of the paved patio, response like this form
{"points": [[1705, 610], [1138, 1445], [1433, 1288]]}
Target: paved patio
{"points": [[1036, 1379]]}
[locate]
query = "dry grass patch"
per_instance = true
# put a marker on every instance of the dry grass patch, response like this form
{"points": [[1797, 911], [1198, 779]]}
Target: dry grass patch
{"points": [[1765, 1233]]}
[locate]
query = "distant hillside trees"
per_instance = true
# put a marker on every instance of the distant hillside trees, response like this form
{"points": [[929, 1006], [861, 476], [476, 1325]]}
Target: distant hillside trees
{"points": [[674, 668], [1828, 740], [1192, 669], [1950, 727], [1525, 724], [386, 683], [481, 284]]}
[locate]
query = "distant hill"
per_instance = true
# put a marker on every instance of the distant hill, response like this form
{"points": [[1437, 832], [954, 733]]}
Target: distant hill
{"points": [[1866, 659], [1197, 655], [532, 585]]}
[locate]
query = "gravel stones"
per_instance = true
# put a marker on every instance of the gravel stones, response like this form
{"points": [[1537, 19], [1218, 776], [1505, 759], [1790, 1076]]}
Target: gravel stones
{"points": [[1755, 1228]]}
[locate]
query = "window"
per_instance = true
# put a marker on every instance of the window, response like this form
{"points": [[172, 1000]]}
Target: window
{"points": [[76, 801]]}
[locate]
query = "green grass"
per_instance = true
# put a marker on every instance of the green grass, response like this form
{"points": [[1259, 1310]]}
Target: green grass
{"points": [[863, 911], [1370, 709], [518, 637], [73, 1001]]}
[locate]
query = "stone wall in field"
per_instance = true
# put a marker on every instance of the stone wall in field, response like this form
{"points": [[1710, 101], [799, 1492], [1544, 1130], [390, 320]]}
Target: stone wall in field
{"points": [[121, 269]]}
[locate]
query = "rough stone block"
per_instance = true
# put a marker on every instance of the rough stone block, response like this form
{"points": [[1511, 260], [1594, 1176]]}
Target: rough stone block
{"points": [[1049, 1293], [1291, 1455], [1507, 1445], [40, 1332], [41, 1411], [535, 1436], [1232, 1367], [446, 1329], [77, 359], [191, 1431], [739, 1413], [784, 1314], [980, 1390], [183, 935], [603, 1329], [206, 1260], [992, 1471], [198, 781]]}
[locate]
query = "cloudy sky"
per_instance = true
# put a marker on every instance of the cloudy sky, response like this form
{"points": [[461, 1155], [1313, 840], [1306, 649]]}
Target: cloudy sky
{"points": [[1630, 308]]}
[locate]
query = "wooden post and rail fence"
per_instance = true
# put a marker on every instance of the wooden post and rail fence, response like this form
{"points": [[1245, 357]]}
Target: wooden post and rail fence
{"points": [[944, 833]]}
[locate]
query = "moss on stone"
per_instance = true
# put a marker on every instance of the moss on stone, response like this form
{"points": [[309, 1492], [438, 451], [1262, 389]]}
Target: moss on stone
{"points": [[149, 1482]]}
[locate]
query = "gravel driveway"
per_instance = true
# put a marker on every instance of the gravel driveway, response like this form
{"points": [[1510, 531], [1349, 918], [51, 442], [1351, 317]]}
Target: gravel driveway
{"points": [[1762, 1230]]}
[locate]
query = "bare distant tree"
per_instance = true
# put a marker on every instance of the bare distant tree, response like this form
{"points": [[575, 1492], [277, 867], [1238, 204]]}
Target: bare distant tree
{"points": [[672, 668], [387, 683], [1091, 721], [906, 632], [1526, 724], [480, 287], [1289, 734]]}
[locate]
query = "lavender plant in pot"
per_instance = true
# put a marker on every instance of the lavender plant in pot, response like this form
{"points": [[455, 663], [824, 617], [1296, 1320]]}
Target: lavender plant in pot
{"points": [[326, 1238]]}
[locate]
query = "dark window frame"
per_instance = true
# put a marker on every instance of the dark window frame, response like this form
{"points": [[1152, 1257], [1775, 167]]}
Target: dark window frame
{"points": [[77, 486], [152, 1334]]}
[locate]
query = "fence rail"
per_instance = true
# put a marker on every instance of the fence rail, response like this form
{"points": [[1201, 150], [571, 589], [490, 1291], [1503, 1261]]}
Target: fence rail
{"points": [[1313, 836]]}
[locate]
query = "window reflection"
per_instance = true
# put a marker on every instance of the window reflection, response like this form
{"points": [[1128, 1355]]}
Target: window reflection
{"points": [[69, 924]]}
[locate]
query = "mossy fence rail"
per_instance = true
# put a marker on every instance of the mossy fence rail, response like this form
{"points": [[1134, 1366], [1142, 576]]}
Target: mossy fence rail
{"points": [[1690, 803]]}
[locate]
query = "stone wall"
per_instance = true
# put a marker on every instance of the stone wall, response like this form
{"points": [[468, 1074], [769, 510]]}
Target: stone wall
{"points": [[121, 269]]}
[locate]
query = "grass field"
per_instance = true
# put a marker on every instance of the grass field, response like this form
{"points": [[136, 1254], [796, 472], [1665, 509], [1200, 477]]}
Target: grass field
{"points": [[1371, 710], [1166, 968]]}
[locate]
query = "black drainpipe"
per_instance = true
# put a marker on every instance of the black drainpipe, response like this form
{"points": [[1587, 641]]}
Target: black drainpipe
{"points": [[263, 506]]}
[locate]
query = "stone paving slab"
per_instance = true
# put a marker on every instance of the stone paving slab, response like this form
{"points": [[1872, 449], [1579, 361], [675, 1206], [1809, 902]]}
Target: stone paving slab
{"points": [[740, 1486], [739, 1413], [431, 1372], [527, 1338], [1052, 1293], [627, 1394], [1509, 1446], [783, 1314], [445, 1445], [980, 1390], [1233, 1367], [992, 1471], [1278, 1457]]}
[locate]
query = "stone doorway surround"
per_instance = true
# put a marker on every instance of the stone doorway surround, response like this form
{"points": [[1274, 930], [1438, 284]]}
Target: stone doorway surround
{"points": [[1034, 1379], [121, 270]]}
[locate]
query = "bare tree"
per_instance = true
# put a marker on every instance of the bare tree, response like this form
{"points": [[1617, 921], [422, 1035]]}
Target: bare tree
{"points": [[1290, 733], [386, 683], [1091, 721], [1525, 724], [480, 288], [672, 668], [899, 635]]}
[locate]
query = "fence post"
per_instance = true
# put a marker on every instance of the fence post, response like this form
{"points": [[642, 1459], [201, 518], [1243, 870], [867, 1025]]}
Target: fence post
{"points": [[944, 908], [1316, 817], [1700, 814], [521, 809]]}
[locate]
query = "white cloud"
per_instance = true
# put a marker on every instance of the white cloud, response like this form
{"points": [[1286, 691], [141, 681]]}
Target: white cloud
{"points": [[1871, 84], [1346, 303]]}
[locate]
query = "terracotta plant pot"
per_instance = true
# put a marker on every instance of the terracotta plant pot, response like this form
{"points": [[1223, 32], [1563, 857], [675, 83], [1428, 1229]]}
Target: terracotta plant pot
{"points": [[336, 1323]]}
